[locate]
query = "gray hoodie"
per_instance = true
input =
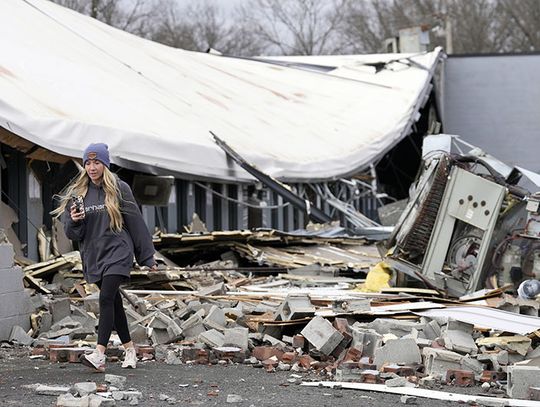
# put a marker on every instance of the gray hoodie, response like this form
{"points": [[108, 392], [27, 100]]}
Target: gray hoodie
{"points": [[104, 251]]}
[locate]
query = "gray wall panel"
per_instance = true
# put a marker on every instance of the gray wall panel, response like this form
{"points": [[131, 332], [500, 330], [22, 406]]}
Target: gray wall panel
{"points": [[494, 102]]}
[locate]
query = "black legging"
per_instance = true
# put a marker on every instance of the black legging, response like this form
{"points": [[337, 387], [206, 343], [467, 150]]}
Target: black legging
{"points": [[111, 310]]}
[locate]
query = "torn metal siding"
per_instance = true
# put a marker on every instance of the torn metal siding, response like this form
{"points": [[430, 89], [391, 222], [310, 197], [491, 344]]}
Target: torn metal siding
{"points": [[72, 80]]}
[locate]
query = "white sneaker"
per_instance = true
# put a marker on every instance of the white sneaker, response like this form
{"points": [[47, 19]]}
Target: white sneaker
{"points": [[130, 358], [94, 360]]}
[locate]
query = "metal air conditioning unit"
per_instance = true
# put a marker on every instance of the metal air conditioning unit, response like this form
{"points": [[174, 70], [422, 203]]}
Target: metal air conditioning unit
{"points": [[460, 218]]}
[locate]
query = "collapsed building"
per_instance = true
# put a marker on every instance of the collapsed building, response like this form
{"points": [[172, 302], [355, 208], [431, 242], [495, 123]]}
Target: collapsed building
{"points": [[286, 299], [337, 129]]}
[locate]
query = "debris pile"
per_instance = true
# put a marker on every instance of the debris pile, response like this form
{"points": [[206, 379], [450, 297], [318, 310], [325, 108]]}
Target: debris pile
{"points": [[399, 341], [305, 319]]}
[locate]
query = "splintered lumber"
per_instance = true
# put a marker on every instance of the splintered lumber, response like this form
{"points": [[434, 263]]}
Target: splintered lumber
{"points": [[35, 283], [53, 265]]}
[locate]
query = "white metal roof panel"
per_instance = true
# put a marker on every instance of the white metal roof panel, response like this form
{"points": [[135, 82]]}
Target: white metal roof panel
{"points": [[67, 80]]}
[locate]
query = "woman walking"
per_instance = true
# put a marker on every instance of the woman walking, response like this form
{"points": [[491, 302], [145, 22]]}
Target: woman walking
{"points": [[110, 230]]}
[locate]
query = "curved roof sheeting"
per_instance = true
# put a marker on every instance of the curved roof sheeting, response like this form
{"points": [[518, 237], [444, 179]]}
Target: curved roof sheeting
{"points": [[67, 80]]}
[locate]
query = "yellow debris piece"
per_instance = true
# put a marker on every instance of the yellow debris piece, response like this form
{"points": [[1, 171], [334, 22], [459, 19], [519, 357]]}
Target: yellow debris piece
{"points": [[377, 278]]}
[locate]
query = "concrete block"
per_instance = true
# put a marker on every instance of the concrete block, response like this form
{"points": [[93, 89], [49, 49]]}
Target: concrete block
{"points": [[174, 331], [366, 339], [474, 365], [273, 341], [116, 381], [91, 303], [98, 401], [397, 351], [45, 322], [431, 329], [438, 361], [160, 321], [7, 324], [51, 390], [295, 306], [159, 336], [19, 335], [12, 280], [351, 305], [6, 255], [237, 337], [59, 308], [392, 326], [193, 326], [215, 318], [14, 303], [84, 388], [213, 338], [66, 322], [139, 334], [520, 379], [322, 335], [458, 337], [69, 400]]}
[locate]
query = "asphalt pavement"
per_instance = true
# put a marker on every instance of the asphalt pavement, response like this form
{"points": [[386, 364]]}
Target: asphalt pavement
{"points": [[185, 385]]}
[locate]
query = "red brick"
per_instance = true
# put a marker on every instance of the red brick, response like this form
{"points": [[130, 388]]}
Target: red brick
{"points": [[298, 341], [463, 378], [305, 361], [270, 364], [404, 371], [288, 357], [266, 352], [351, 355], [370, 377], [237, 356], [40, 351], [199, 356], [58, 355]]}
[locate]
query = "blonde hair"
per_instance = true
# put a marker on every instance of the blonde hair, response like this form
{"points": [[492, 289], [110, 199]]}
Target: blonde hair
{"points": [[112, 196]]}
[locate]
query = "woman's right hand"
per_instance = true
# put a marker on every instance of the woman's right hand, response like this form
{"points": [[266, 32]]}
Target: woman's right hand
{"points": [[76, 216]]}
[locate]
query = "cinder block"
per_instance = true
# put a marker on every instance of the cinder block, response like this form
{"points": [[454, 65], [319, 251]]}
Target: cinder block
{"points": [[236, 337], [159, 336], [7, 324], [139, 334], [193, 326], [322, 335], [19, 335], [295, 306], [91, 303], [6, 255], [212, 338], [14, 303], [59, 308], [366, 339], [438, 361], [215, 318], [458, 338], [397, 351], [392, 326], [520, 379], [12, 280]]}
